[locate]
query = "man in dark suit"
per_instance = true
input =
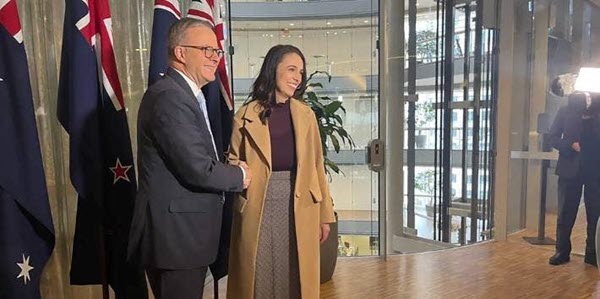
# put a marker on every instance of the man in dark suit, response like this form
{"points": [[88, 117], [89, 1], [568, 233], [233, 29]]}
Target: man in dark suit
{"points": [[177, 217], [575, 133]]}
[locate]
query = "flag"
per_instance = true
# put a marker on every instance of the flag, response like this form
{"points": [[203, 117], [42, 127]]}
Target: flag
{"points": [[92, 111], [220, 113], [166, 12], [210, 11], [26, 230]]}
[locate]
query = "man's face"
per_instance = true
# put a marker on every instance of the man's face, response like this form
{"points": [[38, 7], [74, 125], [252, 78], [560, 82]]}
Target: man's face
{"points": [[200, 68]]}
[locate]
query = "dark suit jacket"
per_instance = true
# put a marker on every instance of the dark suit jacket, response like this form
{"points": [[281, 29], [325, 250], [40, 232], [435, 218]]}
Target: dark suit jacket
{"points": [[177, 216], [567, 129]]}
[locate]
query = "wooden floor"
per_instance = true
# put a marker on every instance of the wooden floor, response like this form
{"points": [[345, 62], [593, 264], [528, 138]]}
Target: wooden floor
{"points": [[489, 270], [578, 235]]}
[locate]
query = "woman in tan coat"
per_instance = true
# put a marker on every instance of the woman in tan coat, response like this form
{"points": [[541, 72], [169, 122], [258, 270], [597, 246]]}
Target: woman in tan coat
{"points": [[283, 216]]}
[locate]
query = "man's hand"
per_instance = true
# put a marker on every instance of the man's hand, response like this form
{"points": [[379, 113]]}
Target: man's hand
{"points": [[324, 232], [576, 147], [248, 174]]}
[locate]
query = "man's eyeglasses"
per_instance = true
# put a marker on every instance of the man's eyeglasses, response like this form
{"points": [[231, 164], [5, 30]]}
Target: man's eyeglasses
{"points": [[209, 52]]}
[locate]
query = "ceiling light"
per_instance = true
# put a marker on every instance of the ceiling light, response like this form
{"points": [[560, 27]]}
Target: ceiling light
{"points": [[588, 80]]}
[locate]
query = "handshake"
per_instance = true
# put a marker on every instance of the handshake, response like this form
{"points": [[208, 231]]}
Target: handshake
{"points": [[248, 176]]}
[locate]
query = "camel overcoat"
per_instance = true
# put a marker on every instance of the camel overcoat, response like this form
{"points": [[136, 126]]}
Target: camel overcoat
{"points": [[313, 204]]}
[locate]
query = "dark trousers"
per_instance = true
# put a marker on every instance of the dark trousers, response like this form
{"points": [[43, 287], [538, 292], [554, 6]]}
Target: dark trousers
{"points": [[569, 197], [177, 284]]}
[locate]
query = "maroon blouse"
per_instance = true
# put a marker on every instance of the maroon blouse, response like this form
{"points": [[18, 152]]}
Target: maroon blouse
{"points": [[283, 144]]}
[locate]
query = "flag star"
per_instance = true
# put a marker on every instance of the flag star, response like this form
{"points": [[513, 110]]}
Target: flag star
{"points": [[120, 171], [25, 268]]}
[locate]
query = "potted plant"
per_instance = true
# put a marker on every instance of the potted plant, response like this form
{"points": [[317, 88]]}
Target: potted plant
{"points": [[331, 128], [424, 115], [331, 124], [424, 182], [425, 51]]}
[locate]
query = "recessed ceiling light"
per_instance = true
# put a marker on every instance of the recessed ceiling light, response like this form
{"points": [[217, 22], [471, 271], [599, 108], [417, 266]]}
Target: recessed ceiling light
{"points": [[292, 24], [328, 23], [366, 21]]}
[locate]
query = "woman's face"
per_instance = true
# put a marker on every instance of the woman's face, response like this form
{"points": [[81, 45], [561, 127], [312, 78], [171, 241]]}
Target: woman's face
{"points": [[289, 76]]}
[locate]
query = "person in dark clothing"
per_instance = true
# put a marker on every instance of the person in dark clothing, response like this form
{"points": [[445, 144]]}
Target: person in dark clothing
{"points": [[575, 133], [177, 218]]}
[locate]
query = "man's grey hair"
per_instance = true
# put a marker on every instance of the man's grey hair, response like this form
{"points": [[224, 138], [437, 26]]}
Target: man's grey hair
{"points": [[178, 29]]}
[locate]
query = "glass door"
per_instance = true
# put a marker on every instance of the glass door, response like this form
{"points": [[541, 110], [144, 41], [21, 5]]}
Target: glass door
{"points": [[449, 105]]}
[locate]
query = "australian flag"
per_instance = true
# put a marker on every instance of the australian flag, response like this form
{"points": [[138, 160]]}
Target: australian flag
{"points": [[219, 104], [92, 110], [217, 93], [166, 12], [26, 230]]}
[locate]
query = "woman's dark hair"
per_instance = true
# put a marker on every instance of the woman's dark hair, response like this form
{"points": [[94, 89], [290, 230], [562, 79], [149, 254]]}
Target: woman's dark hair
{"points": [[263, 89]]}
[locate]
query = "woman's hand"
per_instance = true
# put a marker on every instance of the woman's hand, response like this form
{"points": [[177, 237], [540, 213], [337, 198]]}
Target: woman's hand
{"points": [[324, 232]]}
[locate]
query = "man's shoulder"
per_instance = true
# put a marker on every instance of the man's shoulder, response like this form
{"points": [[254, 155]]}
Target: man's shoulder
{"points": [[164, 87], [163, 83], [162, 95]]}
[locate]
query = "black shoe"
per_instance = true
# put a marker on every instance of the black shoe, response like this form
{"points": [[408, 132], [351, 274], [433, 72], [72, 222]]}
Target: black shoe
{"points": [[590, 260], [559, 259]]}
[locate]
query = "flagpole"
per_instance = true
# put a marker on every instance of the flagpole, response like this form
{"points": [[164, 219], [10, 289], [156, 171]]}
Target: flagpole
{"points": [[103, 262], [231, 51], [102, 236], [216, 288]]}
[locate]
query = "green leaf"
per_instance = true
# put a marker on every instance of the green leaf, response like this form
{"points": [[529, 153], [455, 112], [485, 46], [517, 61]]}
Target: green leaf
{"points": [[329, 122], [332, 165], [343, 133], [339, 119], [312, 97], [319, 73], [332, 107], [336, 143]]}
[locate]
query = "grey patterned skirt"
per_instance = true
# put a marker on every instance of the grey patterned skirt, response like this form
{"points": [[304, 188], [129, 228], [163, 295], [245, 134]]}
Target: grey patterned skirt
{"points": [[277, 273]]}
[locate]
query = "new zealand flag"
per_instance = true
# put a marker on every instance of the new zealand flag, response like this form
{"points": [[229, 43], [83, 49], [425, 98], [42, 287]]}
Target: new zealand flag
{"points": [[92, 111], [26, 230]]}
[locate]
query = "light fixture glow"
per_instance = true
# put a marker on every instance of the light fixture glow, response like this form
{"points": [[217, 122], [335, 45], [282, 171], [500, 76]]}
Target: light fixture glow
{"points": [[587, 80]]}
